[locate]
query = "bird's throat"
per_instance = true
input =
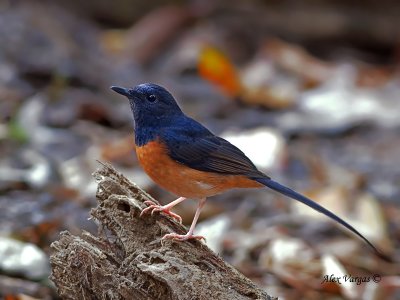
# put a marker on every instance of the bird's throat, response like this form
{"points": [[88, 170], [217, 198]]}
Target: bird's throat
{"points": [[144, 135]]}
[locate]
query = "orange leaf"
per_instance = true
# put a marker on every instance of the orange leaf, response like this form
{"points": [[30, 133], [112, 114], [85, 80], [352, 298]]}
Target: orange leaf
{"points": [[215, 67]]}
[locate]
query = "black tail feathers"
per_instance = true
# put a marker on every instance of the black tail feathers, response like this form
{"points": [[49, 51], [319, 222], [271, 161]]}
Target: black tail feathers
{"points": [[296, 196]]}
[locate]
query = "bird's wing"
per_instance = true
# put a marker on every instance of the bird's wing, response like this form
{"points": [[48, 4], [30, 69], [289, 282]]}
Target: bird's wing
{"points": [[204, 151]]}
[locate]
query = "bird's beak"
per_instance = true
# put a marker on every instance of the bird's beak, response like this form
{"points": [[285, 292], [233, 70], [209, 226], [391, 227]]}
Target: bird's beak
{"points": [[121, 90]]}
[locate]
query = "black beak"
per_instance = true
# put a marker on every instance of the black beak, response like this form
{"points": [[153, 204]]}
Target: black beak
{"points": [[121, 90]]}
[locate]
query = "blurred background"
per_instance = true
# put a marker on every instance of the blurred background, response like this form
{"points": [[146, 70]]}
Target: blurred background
{"points": [[309, 90]]}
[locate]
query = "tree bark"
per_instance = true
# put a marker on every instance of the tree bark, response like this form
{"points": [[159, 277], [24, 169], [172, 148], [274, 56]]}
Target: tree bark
{"points": [[127, 260]]}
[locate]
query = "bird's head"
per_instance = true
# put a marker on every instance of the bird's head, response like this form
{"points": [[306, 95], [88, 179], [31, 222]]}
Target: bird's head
{"points": [[151, 104]]}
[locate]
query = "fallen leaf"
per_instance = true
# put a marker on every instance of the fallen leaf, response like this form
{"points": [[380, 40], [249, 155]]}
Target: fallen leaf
{"points": [[216, 67], [333, 269], [371, 222], [147, 37], [292, 261], [295, 59]]}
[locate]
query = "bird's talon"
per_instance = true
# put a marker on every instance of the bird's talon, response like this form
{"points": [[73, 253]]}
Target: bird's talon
{"points": [[175, 216], [147, 209], [184, 237], [149, 202], [158, 208]]}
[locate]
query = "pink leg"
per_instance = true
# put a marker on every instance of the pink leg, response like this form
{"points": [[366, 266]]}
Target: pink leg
{"points": [[163, 208], [189, 235]]}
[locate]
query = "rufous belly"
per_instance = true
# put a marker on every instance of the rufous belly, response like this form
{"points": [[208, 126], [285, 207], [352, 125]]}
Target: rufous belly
{"points": [[182, 180]]}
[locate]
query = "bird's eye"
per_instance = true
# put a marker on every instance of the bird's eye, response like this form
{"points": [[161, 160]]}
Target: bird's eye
{"points": [[152, 98]]}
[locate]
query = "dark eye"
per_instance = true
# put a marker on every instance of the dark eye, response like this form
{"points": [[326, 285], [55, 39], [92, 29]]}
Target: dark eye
{"points": [[152, 98]]}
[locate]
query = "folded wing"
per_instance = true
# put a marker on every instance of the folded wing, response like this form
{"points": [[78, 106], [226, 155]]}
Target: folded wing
{"points": [[211, 154]]}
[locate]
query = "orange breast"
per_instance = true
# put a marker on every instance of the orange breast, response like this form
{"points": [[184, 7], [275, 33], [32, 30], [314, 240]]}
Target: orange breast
{"points": [[182, 180]]}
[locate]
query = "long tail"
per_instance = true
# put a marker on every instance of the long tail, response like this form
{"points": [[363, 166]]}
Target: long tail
{"points": [[296, 196]]}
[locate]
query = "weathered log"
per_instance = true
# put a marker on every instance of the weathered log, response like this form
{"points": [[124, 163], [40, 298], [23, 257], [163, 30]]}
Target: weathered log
{"points": [[127, 260]]}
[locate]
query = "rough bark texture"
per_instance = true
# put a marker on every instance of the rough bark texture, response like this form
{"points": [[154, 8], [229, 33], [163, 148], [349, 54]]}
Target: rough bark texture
{"points": [[128, 260]]}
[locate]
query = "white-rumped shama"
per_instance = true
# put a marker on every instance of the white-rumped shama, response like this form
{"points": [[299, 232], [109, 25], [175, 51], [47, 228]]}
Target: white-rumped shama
{"points": [[185, 158]]}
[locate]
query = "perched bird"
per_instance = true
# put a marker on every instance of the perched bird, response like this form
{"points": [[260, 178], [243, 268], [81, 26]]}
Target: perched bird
{"points": [[185, 158]]}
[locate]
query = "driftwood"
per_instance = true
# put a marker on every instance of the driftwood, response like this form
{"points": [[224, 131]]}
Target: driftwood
{"points": [[128, 260]]}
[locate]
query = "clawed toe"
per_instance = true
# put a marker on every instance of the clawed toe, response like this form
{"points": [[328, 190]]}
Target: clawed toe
{"points": [[159, 208], [149, 202], [174, 215], [150, 209], [182, 237]]}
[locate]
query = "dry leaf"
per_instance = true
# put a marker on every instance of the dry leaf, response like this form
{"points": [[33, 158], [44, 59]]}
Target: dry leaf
{"points": [[214, 66], [334, 272]]}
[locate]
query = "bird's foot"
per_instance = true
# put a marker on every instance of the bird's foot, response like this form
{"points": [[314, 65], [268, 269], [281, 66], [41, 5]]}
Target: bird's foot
{"points": [[159, 208], [182, 237]]}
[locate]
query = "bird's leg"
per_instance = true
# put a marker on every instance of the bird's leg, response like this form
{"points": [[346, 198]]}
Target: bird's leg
{"points": [[189, 235], [164, 208]]}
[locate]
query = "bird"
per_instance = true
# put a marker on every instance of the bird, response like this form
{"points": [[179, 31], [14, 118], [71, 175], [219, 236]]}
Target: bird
{"points": [[188, 160]]}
